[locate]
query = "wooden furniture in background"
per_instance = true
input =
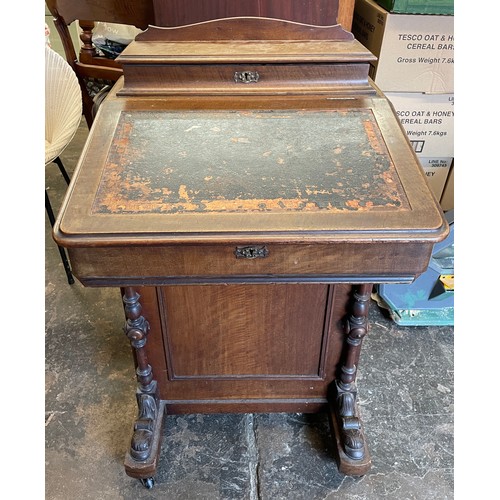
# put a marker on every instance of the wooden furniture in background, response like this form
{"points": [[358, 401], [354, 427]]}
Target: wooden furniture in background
{"points": [[84, 60], [245, 193]]}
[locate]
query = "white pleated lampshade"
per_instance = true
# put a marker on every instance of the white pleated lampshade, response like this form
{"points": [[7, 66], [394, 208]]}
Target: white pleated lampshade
{"points": [[63, 104]]}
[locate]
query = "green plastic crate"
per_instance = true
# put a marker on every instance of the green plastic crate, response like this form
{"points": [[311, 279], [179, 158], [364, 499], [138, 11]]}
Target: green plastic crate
{"points": [[443, 7]]}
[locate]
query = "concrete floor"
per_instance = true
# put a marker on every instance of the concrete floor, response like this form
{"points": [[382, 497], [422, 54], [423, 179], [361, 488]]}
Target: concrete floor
{"points": [[406, 398]]}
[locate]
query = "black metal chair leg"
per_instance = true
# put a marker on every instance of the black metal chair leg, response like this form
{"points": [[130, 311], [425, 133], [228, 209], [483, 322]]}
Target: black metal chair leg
{"points": [[62, 252], [59, 163]]}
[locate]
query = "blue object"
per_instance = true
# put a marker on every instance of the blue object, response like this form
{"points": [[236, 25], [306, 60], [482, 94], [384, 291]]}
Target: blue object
{"points": [[427, 301]]}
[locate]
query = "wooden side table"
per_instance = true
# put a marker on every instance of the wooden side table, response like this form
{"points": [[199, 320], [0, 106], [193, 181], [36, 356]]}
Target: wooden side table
{"points": [[245, 185]]}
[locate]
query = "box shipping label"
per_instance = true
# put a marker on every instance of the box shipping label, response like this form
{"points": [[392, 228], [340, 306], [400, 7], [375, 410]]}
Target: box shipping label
{"points": [[428, 120]]}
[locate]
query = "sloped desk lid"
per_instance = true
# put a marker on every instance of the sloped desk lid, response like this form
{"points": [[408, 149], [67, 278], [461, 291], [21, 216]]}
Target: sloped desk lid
{"points": [[154, 173], [277, 161]]}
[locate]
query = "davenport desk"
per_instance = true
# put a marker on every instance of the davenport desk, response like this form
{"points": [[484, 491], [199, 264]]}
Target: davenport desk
{"points": [[244, 185]]}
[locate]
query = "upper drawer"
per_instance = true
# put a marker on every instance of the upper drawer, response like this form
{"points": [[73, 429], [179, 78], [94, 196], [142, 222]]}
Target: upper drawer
{"points": [[204, 58], [244, 78]]}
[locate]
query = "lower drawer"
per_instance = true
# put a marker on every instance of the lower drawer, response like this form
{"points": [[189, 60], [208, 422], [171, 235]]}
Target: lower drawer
{"points": [[375, 262]]}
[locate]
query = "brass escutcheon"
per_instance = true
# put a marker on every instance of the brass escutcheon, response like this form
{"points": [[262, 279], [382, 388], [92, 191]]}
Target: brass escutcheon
{"points": [[251, 252], [246, 76]]}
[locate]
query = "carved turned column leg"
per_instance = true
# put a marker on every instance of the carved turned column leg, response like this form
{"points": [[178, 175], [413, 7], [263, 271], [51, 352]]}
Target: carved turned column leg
{"points": [[141, 459], [86, 55], [88, 50], [352, 450]]}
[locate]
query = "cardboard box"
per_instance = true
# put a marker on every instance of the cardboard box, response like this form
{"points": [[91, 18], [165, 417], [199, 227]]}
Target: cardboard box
{"points": [[415, 52], [418, 6], [428, 120], [436, 172], [448, 196]]}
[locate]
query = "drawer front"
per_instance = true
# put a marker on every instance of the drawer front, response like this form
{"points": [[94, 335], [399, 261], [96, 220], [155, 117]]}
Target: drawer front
{"points": [[192, 263], [244, 78]]}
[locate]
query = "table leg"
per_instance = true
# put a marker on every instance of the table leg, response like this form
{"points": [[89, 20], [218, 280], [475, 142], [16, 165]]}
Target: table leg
{"points": [[141, 459], [352, 452]]}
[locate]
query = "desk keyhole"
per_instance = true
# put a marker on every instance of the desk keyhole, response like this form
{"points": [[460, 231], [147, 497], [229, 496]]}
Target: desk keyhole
{"points": [[251, 252]]}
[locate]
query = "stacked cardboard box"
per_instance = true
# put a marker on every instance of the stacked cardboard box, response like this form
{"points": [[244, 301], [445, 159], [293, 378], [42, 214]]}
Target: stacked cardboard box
{"points": [[415, 70]]}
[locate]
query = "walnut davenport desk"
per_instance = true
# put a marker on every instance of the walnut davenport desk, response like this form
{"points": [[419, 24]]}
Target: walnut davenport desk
{"points": [[244, 185]]}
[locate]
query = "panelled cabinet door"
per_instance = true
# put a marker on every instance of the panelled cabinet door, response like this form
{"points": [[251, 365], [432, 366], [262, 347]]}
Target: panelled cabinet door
{"points": [[221, 344]]}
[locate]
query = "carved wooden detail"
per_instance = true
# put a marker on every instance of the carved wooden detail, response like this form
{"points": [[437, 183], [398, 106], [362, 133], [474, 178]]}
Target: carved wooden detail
{"points": [[148, 402], [88, 48], [356, 327]]}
